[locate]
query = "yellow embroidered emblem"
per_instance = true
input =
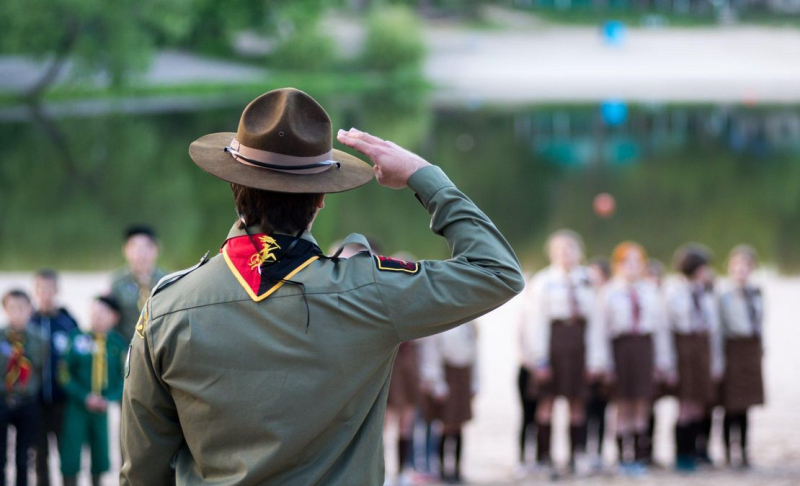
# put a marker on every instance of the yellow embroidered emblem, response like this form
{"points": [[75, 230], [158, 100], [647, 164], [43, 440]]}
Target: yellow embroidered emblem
{"points": [[266, 254], [142, 324]]}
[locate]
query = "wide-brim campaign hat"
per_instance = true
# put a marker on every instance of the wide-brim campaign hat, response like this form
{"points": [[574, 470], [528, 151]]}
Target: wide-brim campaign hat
{"points": [[283, 144]]}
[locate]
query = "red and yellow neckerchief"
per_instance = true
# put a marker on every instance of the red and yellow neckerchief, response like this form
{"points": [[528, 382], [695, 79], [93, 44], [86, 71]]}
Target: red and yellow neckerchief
{"points": [[18, 368], [262, 263]]}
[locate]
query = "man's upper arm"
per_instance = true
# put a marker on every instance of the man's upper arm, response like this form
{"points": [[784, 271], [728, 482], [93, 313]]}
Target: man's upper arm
{"points": [[150, 431], [482, 274]]}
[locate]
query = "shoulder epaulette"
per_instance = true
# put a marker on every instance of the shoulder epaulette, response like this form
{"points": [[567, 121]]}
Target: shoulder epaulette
{"points": [[352, 239], [170, 279]]}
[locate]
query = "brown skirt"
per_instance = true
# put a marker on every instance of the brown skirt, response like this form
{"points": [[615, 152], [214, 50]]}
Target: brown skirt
{"points": [[634, 364], [743, 385], [567, 361], [457, 408], [694, 368], [404, 386]]}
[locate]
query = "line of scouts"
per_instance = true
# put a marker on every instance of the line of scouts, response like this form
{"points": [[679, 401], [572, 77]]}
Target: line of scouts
{"points": [[613, 332], [59, 380]]}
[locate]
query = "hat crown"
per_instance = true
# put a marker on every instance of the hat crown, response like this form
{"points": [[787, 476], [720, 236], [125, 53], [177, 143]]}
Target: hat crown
{"points": [[286, 121]]}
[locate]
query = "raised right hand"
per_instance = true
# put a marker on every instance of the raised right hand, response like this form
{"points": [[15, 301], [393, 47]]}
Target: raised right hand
{"points": [[394, 165]]}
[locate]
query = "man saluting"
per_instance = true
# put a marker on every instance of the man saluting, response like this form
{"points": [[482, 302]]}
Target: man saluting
{"points": [[270, 363]]}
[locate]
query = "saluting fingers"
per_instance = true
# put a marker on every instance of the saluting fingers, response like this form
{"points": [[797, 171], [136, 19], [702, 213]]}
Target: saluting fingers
{"points": [[370, 150], [356, 133]]}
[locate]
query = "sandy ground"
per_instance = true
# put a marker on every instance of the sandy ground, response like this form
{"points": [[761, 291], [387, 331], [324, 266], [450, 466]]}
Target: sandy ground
{"points": [[490, 439]]}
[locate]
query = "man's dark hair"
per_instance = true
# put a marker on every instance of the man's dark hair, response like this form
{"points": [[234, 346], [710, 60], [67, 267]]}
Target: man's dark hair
{"points": [[140, 229], [16, 294], [275, 211], [47, 274]]}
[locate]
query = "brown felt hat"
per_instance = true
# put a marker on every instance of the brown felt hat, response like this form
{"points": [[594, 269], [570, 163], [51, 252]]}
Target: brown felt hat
{"points": [[283, 144]]}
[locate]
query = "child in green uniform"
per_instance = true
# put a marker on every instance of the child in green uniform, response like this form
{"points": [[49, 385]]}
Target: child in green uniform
{"points": [[92, 375]]}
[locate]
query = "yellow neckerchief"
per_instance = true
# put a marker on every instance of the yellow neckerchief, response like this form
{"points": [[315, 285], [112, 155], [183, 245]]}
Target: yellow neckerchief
{"points": [[99, 364]]}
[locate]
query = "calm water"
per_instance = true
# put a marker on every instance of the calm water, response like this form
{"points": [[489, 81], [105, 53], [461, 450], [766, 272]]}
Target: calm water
{"points": [[721, 175]]}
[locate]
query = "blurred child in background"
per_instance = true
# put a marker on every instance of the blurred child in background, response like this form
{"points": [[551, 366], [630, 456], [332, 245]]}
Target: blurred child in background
{"points": [[694, 321], [632, 349], [54, 325], [742, 316], [132, 284], [557, 305], [450, 376], [21, 362], [92, 375], [599, 275]]}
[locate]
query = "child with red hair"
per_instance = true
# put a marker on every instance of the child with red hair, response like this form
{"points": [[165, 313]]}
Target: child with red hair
{"points": [[629, 326]]}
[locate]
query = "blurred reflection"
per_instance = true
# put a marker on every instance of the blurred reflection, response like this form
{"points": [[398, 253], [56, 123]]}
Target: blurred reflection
{"points": [[719, 174]]}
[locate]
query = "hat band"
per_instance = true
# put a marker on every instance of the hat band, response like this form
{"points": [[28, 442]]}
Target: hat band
{"points": [[264, 159]]}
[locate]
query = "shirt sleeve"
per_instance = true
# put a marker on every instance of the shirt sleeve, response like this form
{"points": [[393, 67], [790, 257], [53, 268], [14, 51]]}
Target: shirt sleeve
{"points": [[537, 323], [715, 334], [599, 352], [432, 367], [114, 391], [662, 336], [66, 371], [150, 431], [482, 274]]}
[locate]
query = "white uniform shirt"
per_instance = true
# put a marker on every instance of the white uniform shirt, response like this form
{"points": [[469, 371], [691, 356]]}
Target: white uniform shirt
{"points": [[740, 318], [614, 316], [457, 347], [685, 318], [547, 298]]}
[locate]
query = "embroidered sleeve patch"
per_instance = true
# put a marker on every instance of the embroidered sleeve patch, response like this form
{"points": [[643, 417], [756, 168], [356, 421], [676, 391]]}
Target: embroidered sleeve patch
{"points": [[387, 264], [142, 324]]}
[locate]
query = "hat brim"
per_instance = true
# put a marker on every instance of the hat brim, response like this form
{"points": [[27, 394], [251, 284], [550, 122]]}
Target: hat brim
{"points": [[207, 152]]}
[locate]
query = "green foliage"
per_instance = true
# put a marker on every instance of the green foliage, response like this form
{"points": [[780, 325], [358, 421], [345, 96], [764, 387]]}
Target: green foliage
{"points": [[113, 37], [394, 40], [308, 49]]}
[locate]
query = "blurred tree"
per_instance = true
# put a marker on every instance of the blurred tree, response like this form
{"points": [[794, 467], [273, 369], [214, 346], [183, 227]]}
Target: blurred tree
{"points": [[301, 44], [394, 40], [114, 38]]}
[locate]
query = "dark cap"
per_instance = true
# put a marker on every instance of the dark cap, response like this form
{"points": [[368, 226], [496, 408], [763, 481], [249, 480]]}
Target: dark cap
{"points": [[110, 302], [140, 229]]}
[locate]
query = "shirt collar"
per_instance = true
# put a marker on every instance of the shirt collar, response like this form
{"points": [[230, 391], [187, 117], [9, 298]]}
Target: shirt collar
{"points": [[255, 229]]}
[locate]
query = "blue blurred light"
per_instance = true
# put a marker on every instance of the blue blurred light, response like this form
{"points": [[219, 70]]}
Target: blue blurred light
{"points": [[614, 32], [614, 112]]}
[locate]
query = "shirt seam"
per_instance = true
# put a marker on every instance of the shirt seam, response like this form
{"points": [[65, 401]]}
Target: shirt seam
{"points": [[248, 299]]}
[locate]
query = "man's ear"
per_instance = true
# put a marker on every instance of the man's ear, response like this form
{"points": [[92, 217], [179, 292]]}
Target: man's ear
{"points": [[321, 202]]}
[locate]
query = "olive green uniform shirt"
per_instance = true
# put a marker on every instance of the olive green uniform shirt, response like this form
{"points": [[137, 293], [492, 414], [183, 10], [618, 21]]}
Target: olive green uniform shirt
{"points": [[80, 363], [241, 392], [131, 295]]}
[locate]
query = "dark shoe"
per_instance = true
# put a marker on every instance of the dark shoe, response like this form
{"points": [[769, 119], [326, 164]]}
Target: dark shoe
{"points": [[685, 463]]}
